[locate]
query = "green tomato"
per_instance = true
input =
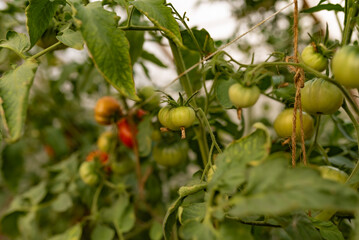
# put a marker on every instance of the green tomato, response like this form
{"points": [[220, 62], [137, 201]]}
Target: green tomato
{"points": [[345, 66], [165, 118], [243, 97], [153, 97], [88, 173], [314, 59], [283, 124], [321, 97], [105, 141], [332, 173], [125, 166], [170, 155], [182, 116]]}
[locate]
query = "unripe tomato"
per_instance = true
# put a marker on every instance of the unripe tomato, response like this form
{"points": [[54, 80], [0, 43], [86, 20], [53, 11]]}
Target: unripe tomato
{"points": [[88, 173], [107, 110], [243, 97], [313, 59], [125, 133], [49, 38], [332, 173], [321, 97], [283, 124], [97, 155], [123, 167], [345, 66], [105, 141], [170, 155], [150, 97], [165, 118], [182, 116]]}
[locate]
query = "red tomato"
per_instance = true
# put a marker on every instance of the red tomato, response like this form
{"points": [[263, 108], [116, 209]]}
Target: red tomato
{"points": [[125, 133]]}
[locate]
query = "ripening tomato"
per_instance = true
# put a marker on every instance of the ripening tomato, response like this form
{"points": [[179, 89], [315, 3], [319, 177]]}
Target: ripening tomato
{"points": [[88, 173], [107, 110], [243, 97], [182, 116], [321, 97], [314, 59], [284, 122], [332, 173], [345, 66], [125, 133], [170, 155], [105, 141], [97, 155]]}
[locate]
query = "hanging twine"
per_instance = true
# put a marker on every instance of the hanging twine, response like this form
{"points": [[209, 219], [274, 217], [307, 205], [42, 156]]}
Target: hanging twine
{"points": [[299, 83]]}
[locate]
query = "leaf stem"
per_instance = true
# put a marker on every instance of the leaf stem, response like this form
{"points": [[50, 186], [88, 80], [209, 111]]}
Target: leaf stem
{"points": [[312, 146], [254, 223], [43, 52], [139, 28], [94, 208]]}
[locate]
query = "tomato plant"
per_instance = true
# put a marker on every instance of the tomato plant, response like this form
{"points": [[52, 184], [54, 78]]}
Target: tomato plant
{"points": [[311, 57], [170, 160], [321, 97], [345, 66]]}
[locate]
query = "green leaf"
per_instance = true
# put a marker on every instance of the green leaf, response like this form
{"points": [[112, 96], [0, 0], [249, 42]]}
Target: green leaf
{"points": [[9, 223], [204, 40], [108, 46], [170, 218], [14, 91], [299, 226], [156, 231], [272, 188], [72, 39], [121, 214], [17, 42], [136, 40], [327, 229], [321, 7], [161, 16], [233, 230], [232, 163], [36, 194], [194, 211], [73, 233], [222, 92], [62, 202], [196, 230], [28, 226], [12, 166], [39, 13], [152, 58], [144, 136], [102, 232]]}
